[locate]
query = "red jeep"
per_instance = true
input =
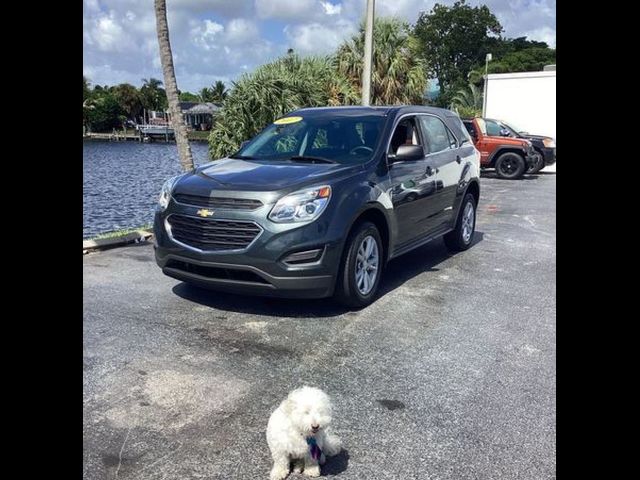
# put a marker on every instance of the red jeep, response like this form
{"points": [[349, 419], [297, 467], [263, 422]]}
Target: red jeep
{"points": [[511, 157]]}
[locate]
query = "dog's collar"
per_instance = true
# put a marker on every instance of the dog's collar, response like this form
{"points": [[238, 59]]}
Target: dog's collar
{"points": [[314, 449]]}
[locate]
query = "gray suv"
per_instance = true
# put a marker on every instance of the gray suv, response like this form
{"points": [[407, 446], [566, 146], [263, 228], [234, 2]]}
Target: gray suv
{"points": [[318, 202]]}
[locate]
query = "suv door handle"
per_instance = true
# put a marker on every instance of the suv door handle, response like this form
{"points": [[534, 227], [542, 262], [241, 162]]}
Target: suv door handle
{"points": [[430, 171], [458, 159]]}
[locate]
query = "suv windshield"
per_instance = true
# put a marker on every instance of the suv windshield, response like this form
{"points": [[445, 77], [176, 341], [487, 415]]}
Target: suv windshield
{"points": [[335, 139]]}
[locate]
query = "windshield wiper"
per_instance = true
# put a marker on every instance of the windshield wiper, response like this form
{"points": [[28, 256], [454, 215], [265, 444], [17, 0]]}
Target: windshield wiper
{"points": [[306, 158], [242, 157]]}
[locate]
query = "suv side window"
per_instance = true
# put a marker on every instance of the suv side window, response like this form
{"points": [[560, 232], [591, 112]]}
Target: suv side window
{"points": [[453, 143], [437, 135], [406, 133], [493, 129]]}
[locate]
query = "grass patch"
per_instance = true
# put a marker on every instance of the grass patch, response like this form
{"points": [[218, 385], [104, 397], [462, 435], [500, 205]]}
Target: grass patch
{"points": [[198, 135], [122, 232]]}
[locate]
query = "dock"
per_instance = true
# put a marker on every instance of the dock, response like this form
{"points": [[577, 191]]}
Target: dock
{"points": [[113, 137], [144, 133], [120, 136]]}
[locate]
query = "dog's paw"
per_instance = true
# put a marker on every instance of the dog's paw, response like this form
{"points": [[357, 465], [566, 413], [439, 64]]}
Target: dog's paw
{"points": [[313, 471], [278, 473]]}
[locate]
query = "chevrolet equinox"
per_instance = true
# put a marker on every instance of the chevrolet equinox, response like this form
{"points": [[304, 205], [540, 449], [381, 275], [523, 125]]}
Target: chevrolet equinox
{"points": [[318, 202]]}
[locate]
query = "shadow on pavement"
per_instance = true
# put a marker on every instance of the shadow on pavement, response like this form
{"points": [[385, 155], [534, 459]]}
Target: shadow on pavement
{"points": [[336, 464], [397, 272], [526, 176]]}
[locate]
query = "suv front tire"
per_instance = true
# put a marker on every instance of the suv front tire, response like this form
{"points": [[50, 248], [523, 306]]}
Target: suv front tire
{"points": [[361, 269], [510, 166]]}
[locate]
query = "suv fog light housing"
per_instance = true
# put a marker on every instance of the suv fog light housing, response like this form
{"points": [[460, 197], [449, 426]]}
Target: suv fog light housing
{"points": [[308, 256], [301, 206]]}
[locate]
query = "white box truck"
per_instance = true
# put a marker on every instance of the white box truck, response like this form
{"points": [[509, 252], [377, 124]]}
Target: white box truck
{"points": [[526, 100]]}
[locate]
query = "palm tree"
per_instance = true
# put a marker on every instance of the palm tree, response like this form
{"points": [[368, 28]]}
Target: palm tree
{"points": [[467, 101], [273, 90], [219, 92], [151, 83], [166, 58], [399, 74], [205, 95], [129, 99], [153, 95]]}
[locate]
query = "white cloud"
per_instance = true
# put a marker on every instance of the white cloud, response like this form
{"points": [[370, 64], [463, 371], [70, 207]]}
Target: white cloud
{"points": [[405, 9], [221, 39], [317, 38], [91, 6], [107, 34], [331, 9], [298, 11], [543, 34], [285, 9], [224, 8], [206, 35], [241, 30]]}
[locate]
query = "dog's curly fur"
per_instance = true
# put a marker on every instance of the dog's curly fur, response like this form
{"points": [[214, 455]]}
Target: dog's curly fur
{"points": [[292, 423]]}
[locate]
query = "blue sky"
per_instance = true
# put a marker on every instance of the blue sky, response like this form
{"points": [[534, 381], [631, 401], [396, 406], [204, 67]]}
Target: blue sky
{"points": [[221, 39]]}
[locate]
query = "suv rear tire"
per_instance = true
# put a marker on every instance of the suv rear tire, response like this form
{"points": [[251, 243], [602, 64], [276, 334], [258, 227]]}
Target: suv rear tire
{"points": [[510, 166], [461, 237], [364, 256]]}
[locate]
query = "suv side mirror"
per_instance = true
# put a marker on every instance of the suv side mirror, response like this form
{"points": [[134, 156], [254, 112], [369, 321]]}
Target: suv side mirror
{"points": [[504, 132], [407, 153]]}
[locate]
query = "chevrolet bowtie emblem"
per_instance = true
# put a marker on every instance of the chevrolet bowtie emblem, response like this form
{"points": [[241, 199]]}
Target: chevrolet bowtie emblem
{"points": [[204, 213]]}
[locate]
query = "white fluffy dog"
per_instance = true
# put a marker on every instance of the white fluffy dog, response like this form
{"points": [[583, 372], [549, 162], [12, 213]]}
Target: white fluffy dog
{"points": [[298, 432]]}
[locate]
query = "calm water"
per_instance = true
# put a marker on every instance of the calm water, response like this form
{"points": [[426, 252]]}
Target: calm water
{"points": [[122, 181]]}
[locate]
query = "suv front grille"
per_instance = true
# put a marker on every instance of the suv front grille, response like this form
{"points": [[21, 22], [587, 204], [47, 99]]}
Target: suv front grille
{"points": [[218, 202], [209, 235]]}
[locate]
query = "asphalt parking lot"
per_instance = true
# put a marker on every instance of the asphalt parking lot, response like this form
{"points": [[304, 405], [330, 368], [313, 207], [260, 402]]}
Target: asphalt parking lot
{"points": [[450, 374]]}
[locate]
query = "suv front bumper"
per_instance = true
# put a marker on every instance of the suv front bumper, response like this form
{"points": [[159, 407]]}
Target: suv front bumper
{"points": [[260, 269], [549, 155]]}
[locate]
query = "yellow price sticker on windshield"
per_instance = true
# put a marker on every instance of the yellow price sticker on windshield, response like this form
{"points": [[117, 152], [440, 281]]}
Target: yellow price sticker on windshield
{"points": [[287, 120]]}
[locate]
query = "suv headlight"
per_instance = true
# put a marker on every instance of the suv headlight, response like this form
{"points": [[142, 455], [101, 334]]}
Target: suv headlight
{"points": [[165, 192], [301, 206], [549, 142]]}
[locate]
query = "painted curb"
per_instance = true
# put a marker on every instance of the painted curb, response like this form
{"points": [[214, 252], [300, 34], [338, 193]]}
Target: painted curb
{"points": [[104, 243]]}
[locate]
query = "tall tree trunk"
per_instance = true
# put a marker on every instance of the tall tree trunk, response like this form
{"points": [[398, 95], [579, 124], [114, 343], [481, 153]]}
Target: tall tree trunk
{"points": [[171, 87]]}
